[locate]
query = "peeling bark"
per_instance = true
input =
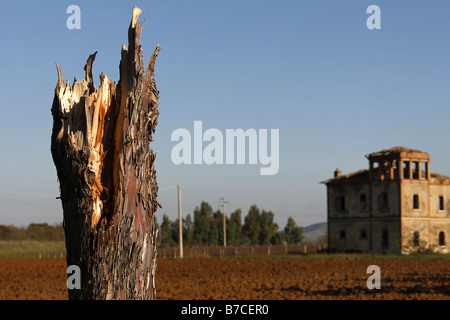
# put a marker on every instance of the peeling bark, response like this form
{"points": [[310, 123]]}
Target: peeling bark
{"points": [[100, 147]]}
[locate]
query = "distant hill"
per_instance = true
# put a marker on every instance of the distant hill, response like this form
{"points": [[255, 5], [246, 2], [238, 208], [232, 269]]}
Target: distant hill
{"points": [[314, 231]]}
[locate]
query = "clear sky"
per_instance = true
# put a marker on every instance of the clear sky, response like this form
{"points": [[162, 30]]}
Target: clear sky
{"points": [[312, 69]]}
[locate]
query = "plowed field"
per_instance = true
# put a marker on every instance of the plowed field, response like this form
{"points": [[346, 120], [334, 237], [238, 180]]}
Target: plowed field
{"points": [[251, 278]]}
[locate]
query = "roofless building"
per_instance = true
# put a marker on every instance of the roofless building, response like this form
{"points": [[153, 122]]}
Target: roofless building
{"points": [[395, 206]]}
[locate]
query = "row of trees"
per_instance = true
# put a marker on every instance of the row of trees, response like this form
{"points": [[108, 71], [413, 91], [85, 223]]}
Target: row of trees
{"points": [[34, 231], [206, 229]]}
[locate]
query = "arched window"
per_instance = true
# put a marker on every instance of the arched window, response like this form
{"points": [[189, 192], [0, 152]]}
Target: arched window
{"points": [[385, 239], [416, 201], [442, 238], [441, 203], [416, 239]]}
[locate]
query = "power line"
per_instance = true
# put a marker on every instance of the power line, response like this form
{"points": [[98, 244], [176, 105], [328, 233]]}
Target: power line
{"points": [[167, 188]]}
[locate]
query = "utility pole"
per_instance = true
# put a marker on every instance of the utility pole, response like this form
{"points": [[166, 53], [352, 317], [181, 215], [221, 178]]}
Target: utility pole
{"points": [[224, 222], [181, 221]]}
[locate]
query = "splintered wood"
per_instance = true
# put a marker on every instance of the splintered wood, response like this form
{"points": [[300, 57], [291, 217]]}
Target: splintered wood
{"points": [[100, 147], [84, 105]]}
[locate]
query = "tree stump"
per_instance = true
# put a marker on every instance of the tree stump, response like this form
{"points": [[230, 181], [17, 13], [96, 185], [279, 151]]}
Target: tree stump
{"points": [[100, 147]]}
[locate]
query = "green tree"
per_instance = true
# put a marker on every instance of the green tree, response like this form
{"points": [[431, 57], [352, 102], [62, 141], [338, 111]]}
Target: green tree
{"points": [[175, 230], [251, 226], [12, 233], [165, 233], [234, 228], [188, 231], [292, 232], [216, 234], [202, 223], [268, 228], [278, 238], [55, 232], [38, 231]]}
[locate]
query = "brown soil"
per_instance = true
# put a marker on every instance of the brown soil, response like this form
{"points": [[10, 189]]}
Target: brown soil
{"points": [[33, 279], [250, 278]]}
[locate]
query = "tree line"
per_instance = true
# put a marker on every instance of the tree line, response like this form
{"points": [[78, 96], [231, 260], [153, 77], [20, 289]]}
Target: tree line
{"points": [[205, 228], [34, 231]]}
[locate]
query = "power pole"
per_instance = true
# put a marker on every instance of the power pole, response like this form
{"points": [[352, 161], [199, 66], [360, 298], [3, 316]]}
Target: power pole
{"points": [[181, 221], [224, 222]]}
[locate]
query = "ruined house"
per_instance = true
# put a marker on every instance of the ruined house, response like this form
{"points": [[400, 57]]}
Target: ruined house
{"points": [[395, 206]]}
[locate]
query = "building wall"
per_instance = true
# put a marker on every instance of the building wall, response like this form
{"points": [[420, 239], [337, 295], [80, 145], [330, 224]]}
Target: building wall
{"points": [[363, 232], [352, 241], [373, 242], [409, 227], [440, 219], [392, 228], [435, 192], [428, 221], [428, 230], [351, 220], [415, 220], [392, 189], [402, 212], [437, 226], [352, 195], [411, 188]]}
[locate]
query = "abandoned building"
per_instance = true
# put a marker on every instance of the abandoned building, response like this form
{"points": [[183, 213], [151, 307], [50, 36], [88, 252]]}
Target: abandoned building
{"points": [[395, 206]]}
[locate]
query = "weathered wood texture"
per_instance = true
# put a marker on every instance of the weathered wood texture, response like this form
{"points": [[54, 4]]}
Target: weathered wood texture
{"points": [[100, 147]]}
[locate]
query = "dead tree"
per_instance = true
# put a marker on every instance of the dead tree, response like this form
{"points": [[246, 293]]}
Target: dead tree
{"points": [[100, 147]]}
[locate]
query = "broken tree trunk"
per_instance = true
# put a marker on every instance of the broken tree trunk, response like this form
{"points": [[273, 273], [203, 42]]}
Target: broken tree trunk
{"points": [[100, 147]]}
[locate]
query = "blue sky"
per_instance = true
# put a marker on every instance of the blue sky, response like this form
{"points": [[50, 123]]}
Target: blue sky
{"points": [[335, 90]]}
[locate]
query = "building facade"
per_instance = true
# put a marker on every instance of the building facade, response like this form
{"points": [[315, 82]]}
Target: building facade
{"points": [[395, 206]]}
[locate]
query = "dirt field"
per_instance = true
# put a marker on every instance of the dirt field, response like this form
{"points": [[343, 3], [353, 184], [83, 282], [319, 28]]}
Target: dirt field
{"points": [[251, 278]]}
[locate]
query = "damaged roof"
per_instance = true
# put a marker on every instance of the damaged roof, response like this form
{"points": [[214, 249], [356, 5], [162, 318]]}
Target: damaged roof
{"points": [[362, 176], [358, 176], [439, 178], [394, 151]]}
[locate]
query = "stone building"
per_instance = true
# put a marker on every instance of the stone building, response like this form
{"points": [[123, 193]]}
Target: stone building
{"points": [[395, 206]]}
